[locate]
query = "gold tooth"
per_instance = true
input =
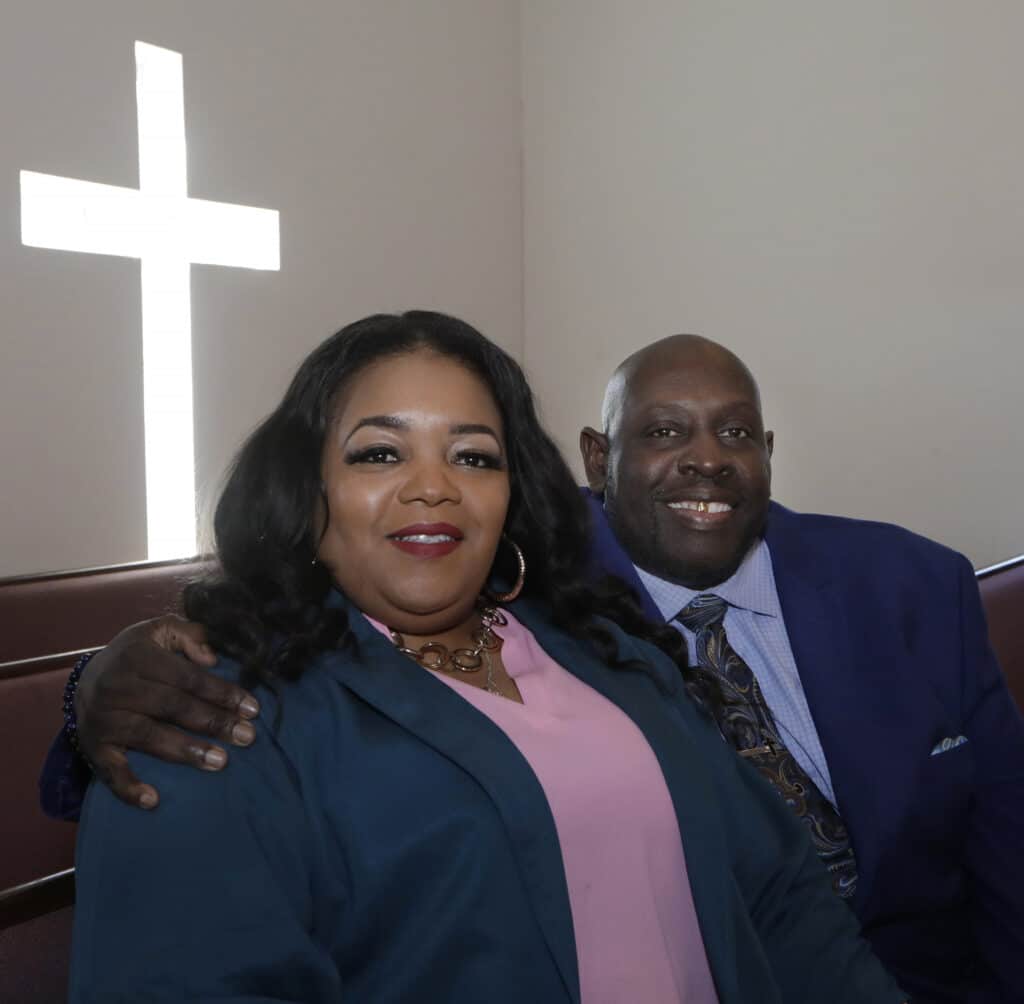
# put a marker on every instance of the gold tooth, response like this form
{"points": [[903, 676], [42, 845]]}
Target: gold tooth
{"points": [[702, 507]]}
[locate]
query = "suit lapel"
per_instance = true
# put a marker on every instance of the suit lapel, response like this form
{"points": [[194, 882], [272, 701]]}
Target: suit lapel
{"points": [[441, 719], [858, 712]]}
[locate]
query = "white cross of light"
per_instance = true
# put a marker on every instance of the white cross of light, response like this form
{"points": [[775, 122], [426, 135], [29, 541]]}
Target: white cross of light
{"points": [[159, 224]]}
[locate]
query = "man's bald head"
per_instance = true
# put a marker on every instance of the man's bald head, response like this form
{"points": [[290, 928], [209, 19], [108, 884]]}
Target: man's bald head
{"points": [[676, 352], [683, 462]]}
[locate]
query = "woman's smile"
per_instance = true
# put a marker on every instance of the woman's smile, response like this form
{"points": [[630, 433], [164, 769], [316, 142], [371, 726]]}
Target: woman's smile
{"points": [[427, 540]]}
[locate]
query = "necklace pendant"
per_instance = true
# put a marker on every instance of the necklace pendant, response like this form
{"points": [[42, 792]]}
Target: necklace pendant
{"points": [[491, 685], [467, 660]]}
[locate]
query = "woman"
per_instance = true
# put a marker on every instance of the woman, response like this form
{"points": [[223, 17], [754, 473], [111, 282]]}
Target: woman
{"points": [[471, 784]]}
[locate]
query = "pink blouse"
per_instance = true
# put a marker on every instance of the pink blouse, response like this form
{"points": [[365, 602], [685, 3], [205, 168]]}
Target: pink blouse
{"points": [[637, 936]]}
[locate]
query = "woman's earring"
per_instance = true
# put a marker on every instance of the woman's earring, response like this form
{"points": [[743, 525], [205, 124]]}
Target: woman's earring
{"points": [[520, 578]]}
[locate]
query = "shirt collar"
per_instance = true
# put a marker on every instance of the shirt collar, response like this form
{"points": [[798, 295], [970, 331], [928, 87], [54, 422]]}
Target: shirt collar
{"points": [[751, 587]]}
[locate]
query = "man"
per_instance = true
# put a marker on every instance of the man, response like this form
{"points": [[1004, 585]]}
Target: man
{"points": [[878, 710], [869, 647]]}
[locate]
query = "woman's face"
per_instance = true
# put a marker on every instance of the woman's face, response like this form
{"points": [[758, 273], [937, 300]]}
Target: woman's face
{"points": [[415, 473]]}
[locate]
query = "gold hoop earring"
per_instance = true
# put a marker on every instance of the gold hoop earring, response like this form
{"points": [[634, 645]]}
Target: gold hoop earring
{"points": [[520, 578]]}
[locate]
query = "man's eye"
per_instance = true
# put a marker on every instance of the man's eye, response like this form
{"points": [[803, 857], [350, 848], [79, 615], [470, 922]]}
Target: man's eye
{"points": [[374, 455], [662, 432], [736, 432], [475, 458]]}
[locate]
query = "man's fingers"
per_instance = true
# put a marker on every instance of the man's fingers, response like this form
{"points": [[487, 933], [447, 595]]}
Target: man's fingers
{"points": [[175, 634], [137, 689], [111, 766], [174, 672], [138, 732], [150, 699]]}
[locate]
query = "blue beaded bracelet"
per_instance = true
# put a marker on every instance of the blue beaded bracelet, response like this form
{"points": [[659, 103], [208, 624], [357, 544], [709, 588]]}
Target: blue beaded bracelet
{"points": [[70, 718]]}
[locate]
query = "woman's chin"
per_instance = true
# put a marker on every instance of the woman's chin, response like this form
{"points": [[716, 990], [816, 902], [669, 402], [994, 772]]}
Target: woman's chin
{"points": [[420, 615]]}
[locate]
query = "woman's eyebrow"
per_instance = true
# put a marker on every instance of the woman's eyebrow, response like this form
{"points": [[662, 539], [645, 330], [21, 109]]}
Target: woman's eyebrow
{"points": [[395, 422], [379, 422], [470, 428]]}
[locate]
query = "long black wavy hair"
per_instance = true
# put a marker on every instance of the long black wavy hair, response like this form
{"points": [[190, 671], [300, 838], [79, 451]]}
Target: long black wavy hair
{"points": [[265, 604]]}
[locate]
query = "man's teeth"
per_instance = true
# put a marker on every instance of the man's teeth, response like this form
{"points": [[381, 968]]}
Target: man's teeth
{"points": [[701, 506], [428, 538]]}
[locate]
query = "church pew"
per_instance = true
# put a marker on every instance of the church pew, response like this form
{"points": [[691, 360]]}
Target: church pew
{"points": [[35, 940], [1002, 593], [48, 620]]}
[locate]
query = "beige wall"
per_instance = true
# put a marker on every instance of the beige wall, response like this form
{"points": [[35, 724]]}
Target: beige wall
{"points": [[386, 132], [834, 190]]}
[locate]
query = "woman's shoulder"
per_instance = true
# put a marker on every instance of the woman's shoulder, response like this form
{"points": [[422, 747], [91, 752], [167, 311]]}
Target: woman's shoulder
{"points": [[294, 717], [272, 692]]}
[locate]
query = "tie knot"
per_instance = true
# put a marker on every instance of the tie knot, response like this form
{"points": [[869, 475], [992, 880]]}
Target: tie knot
{"points": [[702, 611]]}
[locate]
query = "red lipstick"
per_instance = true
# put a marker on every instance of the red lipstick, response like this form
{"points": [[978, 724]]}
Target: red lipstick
{"points": [[427, 540]]}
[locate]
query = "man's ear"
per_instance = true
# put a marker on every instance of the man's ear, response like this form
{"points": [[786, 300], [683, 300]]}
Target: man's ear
{"points": [[594, 449]]}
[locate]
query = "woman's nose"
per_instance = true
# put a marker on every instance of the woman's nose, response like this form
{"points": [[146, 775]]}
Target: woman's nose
{"points": [[431, 483]]}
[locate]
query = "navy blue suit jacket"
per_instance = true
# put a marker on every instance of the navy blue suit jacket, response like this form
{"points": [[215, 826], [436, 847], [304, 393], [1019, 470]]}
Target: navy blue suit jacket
{"points": [[388, 843], [890, 641]]}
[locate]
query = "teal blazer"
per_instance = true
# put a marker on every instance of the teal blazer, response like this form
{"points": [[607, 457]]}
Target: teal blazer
{"points": [[386, 842]]}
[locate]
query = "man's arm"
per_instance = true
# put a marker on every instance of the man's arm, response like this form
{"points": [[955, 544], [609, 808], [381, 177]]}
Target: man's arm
{"points": [[139, 693], [995, 837]]}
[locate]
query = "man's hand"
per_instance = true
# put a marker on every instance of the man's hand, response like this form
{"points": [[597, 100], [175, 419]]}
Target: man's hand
{"points": [[136, 690]]}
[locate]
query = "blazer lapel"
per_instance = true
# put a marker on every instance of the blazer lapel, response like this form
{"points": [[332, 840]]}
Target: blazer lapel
{"points": [[436, 715], [858, 712]]}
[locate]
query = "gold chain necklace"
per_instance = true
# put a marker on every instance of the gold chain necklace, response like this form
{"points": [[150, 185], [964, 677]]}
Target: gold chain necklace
{"points": [[437, 657]]}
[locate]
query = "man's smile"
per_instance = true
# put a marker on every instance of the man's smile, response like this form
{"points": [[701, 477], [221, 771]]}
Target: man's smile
{"points": [[701, 513], [701, 506]]}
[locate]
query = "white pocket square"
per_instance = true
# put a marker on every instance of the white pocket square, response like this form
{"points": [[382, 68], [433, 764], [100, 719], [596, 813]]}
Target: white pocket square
{"points": [[947, 744]]}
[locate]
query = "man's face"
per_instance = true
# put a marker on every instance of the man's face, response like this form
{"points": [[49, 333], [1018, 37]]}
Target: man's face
{"points": [[686, 470]]}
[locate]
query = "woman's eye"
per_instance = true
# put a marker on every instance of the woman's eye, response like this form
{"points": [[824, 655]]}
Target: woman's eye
{"points": [[374, 455], [474, 458]]}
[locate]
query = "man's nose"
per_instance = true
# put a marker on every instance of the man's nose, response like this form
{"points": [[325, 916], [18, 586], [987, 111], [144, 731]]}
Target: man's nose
{"points": [[430, 482], [706, 456]]}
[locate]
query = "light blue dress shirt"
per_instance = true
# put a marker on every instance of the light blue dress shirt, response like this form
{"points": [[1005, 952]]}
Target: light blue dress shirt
{"points": [[757, 632]]}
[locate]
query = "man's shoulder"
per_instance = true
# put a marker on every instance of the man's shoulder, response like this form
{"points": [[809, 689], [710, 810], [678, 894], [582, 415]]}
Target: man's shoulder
{"points": [[858, 542], [854, 533]]}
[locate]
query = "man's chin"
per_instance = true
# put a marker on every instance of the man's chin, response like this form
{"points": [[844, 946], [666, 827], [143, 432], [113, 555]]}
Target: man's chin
{"points": [[699, 576], [701, 559], [705, 579], [702, 570], [692, 571]]}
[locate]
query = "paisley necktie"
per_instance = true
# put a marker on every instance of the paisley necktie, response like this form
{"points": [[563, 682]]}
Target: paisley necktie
{"points": [[747, 724]]}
